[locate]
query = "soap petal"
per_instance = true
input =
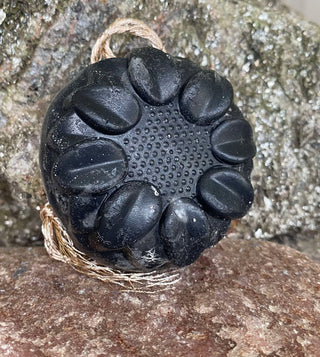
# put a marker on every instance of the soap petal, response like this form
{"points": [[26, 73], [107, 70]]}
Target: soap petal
{"points": [[232, 141], [225, 192], [108, 109], [129, 214], [154, 75], [185, 231], [90, 167], [205, 98]]}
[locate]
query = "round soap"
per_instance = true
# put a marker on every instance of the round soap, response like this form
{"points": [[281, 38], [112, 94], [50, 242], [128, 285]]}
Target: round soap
{"points": [[146, 159]]}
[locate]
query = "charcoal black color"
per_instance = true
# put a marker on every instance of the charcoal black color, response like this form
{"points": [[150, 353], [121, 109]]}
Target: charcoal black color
{"points": [[110, 110], [145, 160], [232, 141], [225, 192], [185, 231], [205, 98], [129, 214]]}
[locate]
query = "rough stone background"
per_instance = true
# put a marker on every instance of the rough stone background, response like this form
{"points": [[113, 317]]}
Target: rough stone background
{"points": [[270, 55], [242, 298]]}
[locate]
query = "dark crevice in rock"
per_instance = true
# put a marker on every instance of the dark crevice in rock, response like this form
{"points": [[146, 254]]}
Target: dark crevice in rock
{"points": [[16, 26]]}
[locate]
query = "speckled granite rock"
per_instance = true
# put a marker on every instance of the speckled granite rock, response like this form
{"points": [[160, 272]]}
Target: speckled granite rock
{"points": [[242, 298], [271, 57]]}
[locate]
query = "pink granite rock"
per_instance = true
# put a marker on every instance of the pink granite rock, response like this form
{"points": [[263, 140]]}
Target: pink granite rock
{"points": [[241, 298]]}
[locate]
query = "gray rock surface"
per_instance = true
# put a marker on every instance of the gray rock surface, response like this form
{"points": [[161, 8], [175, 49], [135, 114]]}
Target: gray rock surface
{"points": [[241, 298], [270, 55]]}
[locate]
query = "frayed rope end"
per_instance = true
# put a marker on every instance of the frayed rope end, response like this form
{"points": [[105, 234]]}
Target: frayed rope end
{"points": [[60, 247]]}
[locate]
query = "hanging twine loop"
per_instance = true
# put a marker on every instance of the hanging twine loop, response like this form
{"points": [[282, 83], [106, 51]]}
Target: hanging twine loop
{"points": [[102, 49], [58, 243]]}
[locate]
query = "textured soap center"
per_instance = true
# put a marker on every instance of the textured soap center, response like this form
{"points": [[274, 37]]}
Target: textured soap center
{"points": [[168, 151]]}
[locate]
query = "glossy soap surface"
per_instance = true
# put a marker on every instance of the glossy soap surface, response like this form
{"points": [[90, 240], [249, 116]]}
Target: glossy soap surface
{"points": [[146, 159]]}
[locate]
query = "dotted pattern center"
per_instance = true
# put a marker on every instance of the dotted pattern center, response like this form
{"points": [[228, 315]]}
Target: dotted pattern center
{"points": [[168, 151]]}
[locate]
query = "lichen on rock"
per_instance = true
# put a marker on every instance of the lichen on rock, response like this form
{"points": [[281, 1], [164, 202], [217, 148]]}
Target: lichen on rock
{"points": [[270, 55]]}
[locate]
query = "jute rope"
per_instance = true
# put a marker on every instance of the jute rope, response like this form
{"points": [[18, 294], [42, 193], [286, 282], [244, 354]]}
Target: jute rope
{"points": [[58, 243], [102, 49]]}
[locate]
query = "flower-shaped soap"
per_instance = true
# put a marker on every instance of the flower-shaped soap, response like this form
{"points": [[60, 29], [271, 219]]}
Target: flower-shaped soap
{"points": [[146, 160]]}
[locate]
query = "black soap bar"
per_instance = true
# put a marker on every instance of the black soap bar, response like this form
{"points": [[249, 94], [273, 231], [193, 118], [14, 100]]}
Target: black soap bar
{"points": [[146, 159]]}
